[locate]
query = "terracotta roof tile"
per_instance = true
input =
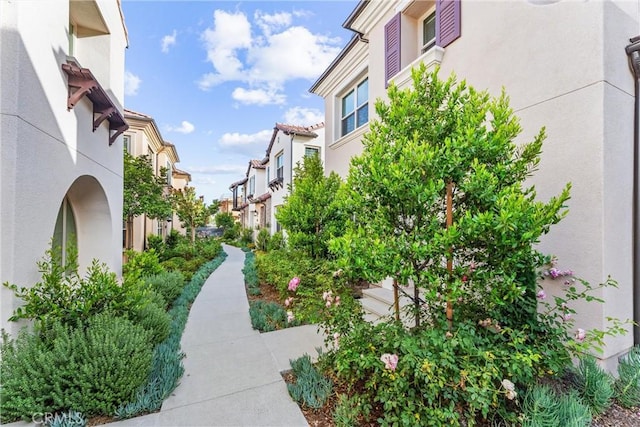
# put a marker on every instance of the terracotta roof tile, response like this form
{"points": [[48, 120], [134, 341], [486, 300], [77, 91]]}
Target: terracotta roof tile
{"points": [[237, 183]]}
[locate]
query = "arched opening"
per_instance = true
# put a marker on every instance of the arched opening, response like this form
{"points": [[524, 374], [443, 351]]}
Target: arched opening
{"points": [[84, 220]]}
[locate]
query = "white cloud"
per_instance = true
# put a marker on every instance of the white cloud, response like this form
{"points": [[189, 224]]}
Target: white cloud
{"points": [[258, 96], [203, 180], [269, 23], [185, 127], [303, 116], [131, 83], [264, 56], [235, 139], [230, 32], [168, 41]]}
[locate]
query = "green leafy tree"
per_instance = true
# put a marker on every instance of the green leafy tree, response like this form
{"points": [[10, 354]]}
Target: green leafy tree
{"points": [[224, 220], [440, 135], [191, 210], [311, 214], [144, 193]]}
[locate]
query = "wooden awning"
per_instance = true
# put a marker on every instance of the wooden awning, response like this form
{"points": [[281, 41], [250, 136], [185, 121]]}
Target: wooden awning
{"points": [[82, 82]]}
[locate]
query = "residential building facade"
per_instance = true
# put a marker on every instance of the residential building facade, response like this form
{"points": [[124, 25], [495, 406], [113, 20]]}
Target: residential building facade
{"points": [[564, 67], [143, 138], [61, 120]]}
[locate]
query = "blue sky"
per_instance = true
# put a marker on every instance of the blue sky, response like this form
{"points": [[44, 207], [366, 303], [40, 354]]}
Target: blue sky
{"points": [[217, 76]]}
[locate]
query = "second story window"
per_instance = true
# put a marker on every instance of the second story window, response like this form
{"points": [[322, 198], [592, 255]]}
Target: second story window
{"points": [[169, 169], [126, 142], [355, 108], [280, 166], [429, 32], [311, 151], [252, 186]]}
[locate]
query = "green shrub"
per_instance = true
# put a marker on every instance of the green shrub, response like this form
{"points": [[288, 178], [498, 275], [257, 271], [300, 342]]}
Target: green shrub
{"points": [[593, 384], [263, 240], [168, 284], [64, 295], [310, 388], [141, 264], [154, 319], [277, 242], [91, 368], [540, 407], [155, 242], [246, 236], [349, 410], [572, 411], [267, 316], [627, 386], [175, 263]]}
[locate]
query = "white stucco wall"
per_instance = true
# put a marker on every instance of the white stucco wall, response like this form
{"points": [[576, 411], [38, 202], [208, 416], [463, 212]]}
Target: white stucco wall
{"points": [[48, 152]]}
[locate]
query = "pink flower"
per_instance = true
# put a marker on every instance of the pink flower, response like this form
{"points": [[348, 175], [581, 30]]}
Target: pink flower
{"points": [[566, 316], [290, 316], [390, 361], [554, 272], [288, 301], [338, 300], [465, 279], [541, 294], [293, 284], [581, 334], [328, 304], [336, 339]]}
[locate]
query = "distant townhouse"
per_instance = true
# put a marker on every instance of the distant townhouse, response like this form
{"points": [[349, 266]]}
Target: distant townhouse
{"points": [[564, 66], [143, 138], [62, 80], [257, 197]]}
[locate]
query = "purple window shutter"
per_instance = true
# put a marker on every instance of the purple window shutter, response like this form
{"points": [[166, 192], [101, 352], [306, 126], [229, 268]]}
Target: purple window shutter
{"points": [[391, 48], [447, 21]]}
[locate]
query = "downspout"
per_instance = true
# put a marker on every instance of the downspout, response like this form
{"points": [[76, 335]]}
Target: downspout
{"points": [[633, 53]]}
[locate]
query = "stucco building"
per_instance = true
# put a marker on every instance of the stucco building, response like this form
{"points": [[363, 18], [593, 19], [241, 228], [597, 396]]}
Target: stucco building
{"points": [[143, 138], [564, 66], [61, 86]]}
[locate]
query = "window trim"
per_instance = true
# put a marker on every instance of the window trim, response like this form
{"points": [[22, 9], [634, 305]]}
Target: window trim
{"points": [[428, 45], [357, 106]]}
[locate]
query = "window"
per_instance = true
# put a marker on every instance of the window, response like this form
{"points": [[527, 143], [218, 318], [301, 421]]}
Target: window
{"points": [[280, 166], [311, 151], [152, 159], [355, 108], [169, 170], [160, 228], [126, 142], [64, 234], [429, 32], [268, 174], [275, 213], [72, 38], [252, 186]]}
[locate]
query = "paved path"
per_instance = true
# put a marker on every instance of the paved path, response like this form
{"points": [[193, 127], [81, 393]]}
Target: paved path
{"points": [[232, 372]]}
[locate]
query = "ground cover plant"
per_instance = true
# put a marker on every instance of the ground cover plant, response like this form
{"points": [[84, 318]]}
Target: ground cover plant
{"points": [[438, 200]]}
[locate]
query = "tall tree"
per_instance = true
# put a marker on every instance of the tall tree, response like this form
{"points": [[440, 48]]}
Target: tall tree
{"points": [[191, 210], [143, 192], [445, 138], [310, 213]]}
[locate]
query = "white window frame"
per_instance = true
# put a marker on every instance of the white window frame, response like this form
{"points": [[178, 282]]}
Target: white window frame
{"points": [[126, 143], [280, 165], [252, 185], [358, 105], [315, 149], [427, 44]]}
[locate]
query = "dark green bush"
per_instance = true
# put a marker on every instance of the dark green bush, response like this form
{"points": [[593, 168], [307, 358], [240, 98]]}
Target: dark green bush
{"points": [[277, 242], [311, 388], [174, 264], [246, 236], [155, 242], [572, 411], [90, 368], [64, 295], [263, 239], [168, 284], [154, 319], [267, 316], [540, 407], [141, 264]]}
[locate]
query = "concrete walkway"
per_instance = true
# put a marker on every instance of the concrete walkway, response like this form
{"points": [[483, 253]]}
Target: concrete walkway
{"points": [[232, 372]]}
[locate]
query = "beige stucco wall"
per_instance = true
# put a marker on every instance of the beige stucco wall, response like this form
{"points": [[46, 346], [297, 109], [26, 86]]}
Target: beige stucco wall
{"points": [[564, 67], [48, 152]]}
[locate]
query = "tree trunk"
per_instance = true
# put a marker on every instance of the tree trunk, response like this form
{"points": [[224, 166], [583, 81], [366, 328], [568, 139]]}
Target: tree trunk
{"points": [[193, 233]]}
